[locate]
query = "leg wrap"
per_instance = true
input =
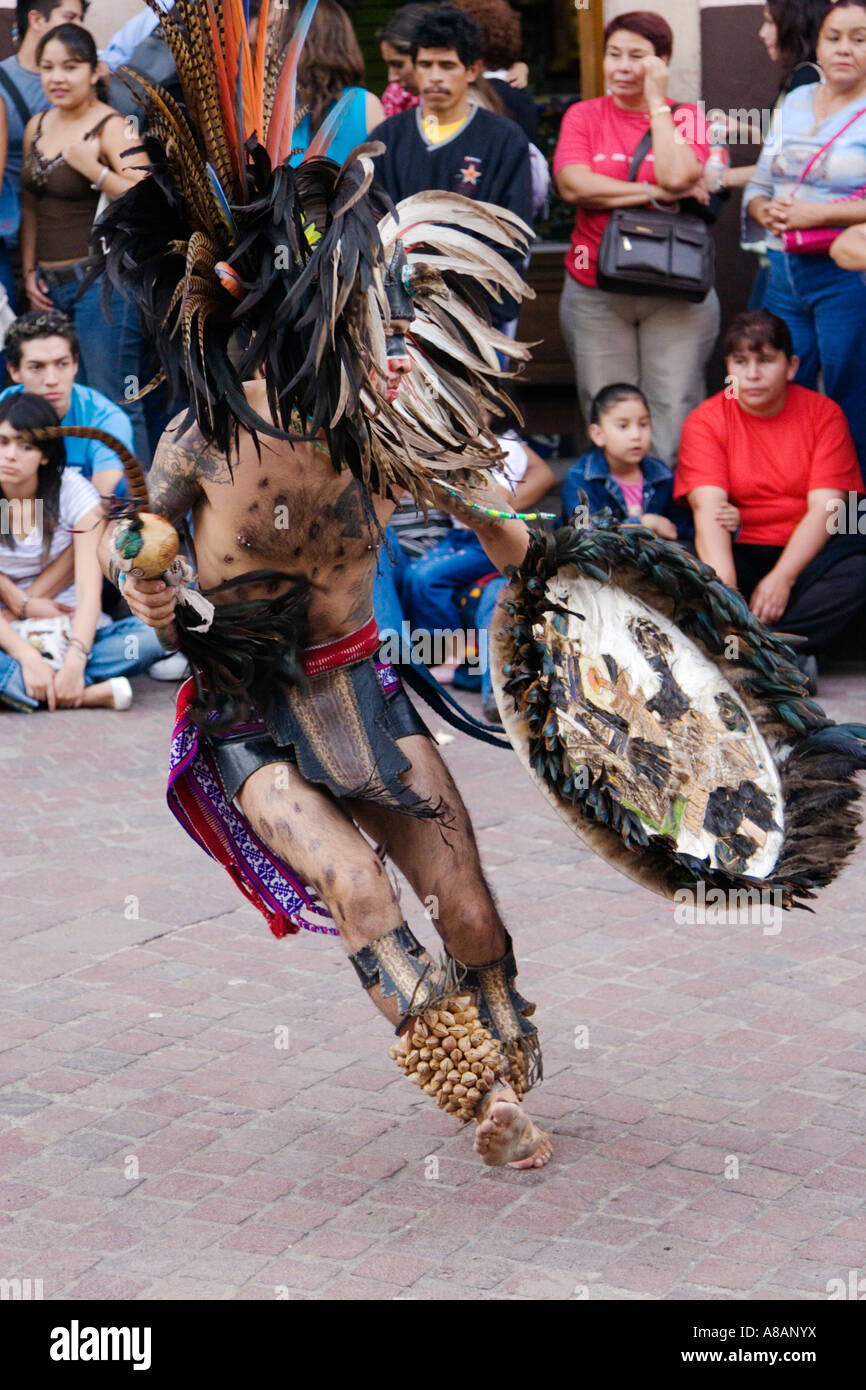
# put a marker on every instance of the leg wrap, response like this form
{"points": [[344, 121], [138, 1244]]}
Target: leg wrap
{"points": [[505, 1013], [451, 1055], [394, 961]]}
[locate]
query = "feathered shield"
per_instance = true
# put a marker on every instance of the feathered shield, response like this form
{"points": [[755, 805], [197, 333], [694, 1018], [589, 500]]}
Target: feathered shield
{"points": [[666, 725]]}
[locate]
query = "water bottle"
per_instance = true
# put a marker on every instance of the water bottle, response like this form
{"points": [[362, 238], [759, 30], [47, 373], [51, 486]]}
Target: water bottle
{"points": [[718, 163]]}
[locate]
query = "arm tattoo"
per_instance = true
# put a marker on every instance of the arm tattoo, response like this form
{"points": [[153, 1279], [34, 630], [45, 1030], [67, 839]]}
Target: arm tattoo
{"points": [[456, 507], [180, 465]]}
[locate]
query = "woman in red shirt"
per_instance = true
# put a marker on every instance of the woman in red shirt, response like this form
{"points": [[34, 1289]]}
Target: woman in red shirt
{"points": [[660, 345], [784, 456]]}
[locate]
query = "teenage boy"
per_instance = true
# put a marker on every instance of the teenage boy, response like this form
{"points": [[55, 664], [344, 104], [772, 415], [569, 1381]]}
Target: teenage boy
{"points": [[784, 456], [42, 356], [448, 142]]}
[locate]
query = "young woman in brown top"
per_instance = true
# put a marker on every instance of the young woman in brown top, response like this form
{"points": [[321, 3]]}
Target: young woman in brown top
{"points": [[72, 155]]}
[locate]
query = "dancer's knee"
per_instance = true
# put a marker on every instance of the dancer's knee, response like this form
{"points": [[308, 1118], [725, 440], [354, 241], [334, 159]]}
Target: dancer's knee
{"points": [[359, 896]]}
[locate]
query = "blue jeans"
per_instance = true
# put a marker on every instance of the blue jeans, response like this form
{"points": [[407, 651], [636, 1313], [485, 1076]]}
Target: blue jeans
{"points": [[483, 618], [388, 584], [432, 582], [7, 280], [825, 309], [119, 649], [111, 353]]}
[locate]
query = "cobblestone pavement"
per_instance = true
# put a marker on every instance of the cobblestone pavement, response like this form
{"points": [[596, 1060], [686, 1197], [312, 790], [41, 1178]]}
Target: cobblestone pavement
{"points": [[157, 1143]]}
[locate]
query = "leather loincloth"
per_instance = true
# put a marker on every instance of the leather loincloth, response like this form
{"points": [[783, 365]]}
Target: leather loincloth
{"points": [[341, 731]]}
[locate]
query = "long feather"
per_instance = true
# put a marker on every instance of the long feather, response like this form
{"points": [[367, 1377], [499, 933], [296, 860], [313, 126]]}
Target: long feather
{"points": [[222, 78], [282, 120], [224, 210], [259, 70], [240, 70], [444, 201], [318, 146], [131, 466], [442, 208], [239, 116]]}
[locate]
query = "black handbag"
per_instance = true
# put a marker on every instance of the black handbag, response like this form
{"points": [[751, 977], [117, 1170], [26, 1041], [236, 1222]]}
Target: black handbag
{"points": [[652, 250]]}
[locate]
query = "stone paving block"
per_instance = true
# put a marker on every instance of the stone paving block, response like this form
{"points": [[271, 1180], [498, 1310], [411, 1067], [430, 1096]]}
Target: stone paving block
{"points": [[182, 1187], [357, 1290], [736, 1275], [223, 1210], [104, 1236], [333, 1245]]}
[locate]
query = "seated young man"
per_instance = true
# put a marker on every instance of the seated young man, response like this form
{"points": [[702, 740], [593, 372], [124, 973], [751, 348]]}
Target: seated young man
{"points": [[42, 356], [784, 456]]}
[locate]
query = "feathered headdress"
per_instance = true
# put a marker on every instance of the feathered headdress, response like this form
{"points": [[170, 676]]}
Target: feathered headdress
{"points": [[241, 264]]}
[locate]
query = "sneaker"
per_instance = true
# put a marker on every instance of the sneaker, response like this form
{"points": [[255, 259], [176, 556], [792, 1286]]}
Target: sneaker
{"points": [[121, 691], [173, 667]]}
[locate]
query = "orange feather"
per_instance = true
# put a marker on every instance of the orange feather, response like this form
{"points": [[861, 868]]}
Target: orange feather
{"points": [[233, 135], [259, 68], [282, 122]]}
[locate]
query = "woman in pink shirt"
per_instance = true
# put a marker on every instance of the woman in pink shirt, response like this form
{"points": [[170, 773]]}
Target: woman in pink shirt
{"points": [[659, 344]]}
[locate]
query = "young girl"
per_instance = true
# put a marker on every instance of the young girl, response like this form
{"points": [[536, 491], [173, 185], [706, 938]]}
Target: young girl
{"points": [[621, 474], [72, 155], [84, 655]]}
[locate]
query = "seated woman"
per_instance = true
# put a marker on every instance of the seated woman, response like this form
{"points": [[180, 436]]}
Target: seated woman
{"points": [[620, 473], [332, 64], [45, 509], [784, 456]]}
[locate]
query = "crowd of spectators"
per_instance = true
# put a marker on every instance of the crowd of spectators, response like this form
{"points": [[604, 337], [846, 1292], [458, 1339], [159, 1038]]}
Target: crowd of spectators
{"points": [[747, 478]]}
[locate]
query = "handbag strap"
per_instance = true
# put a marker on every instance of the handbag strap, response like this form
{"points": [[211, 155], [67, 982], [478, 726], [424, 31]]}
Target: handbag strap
{"points": [[15, 96], [644, 148], [817, 156]]}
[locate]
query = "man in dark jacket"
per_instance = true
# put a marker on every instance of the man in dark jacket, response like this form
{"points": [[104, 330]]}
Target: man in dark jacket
{"points": [[447, 142]]}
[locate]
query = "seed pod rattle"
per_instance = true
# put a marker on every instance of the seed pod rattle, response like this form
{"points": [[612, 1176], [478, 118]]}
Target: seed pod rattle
{"points": [[145, 545]]}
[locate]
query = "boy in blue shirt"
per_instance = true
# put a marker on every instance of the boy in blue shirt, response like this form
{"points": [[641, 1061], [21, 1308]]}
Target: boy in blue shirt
{"points": [[42, 356]]}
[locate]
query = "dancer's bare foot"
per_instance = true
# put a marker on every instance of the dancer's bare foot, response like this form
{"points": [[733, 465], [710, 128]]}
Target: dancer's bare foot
{"points": [[506, 1134]]}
